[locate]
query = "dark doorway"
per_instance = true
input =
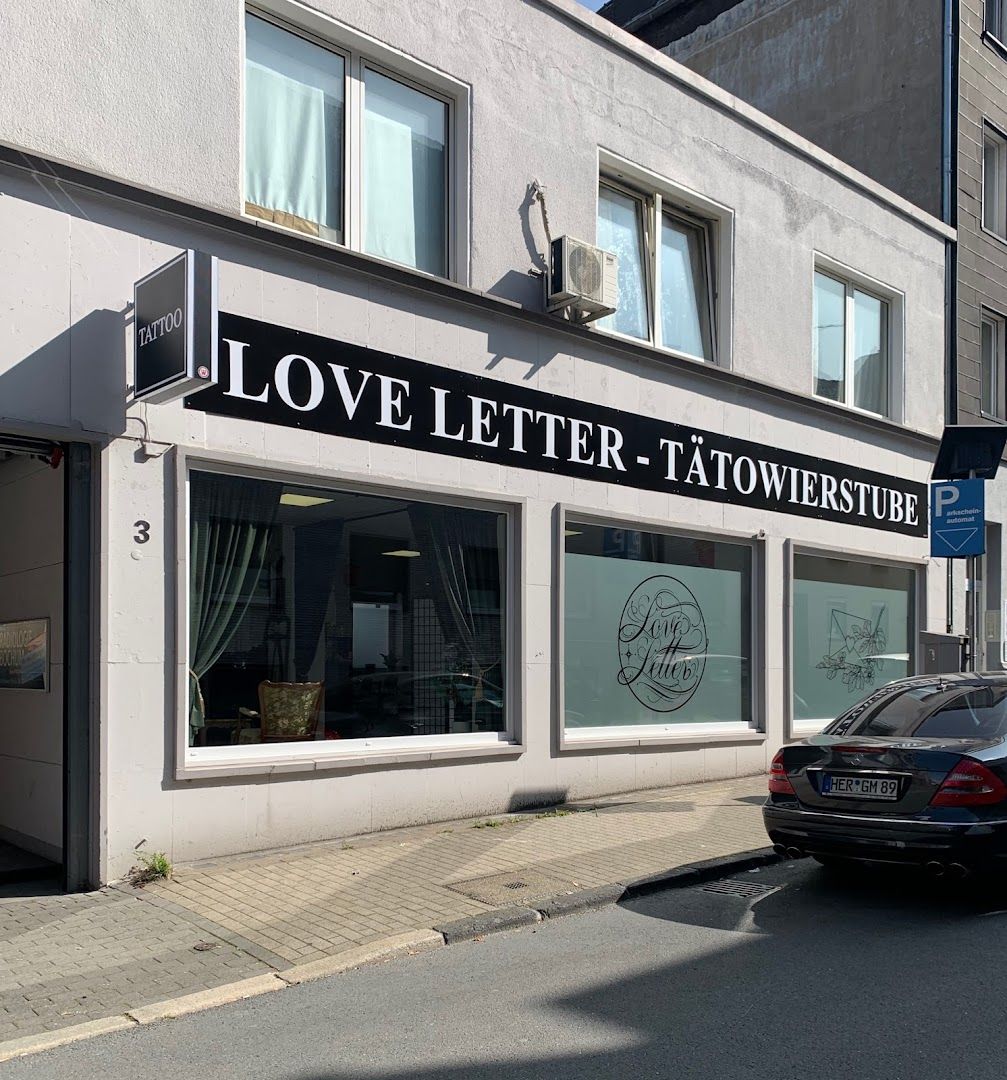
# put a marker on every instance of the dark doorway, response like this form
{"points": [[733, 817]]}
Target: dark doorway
{"points": [[45, 700]]}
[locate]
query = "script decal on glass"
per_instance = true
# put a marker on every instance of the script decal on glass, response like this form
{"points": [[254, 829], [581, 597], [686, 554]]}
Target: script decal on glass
{"points": [[662, 644]]}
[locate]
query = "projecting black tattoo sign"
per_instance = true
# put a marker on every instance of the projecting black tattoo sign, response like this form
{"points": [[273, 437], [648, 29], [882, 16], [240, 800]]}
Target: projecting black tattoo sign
{"points": [[280, 376]]}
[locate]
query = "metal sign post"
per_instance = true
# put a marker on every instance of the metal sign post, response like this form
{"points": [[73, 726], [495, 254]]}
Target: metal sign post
{"points": [[958, 530], [966, 458]]}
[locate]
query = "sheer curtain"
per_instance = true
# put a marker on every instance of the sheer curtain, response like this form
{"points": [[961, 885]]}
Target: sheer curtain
{"points": [[404, 190], [231, 521], [464, 584], [870, 353], [620, 230], [293, 129], [685, 310]]}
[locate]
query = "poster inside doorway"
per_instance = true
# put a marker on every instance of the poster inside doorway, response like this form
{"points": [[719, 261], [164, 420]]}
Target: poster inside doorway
{"points": [[24, 655]]}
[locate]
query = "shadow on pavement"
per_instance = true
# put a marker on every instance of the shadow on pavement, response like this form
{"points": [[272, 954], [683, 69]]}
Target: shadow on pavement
{"points": [[868, 975]]}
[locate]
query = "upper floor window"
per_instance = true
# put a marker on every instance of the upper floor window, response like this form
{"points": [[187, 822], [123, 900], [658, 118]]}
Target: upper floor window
{"points": [[992, 366], [995, 18], [338, 149], [852, 352], [666, 281], [994, 182]]}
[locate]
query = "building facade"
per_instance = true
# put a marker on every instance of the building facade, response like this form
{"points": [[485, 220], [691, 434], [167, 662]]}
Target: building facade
{"points": [[426, 550], [914, 93]]}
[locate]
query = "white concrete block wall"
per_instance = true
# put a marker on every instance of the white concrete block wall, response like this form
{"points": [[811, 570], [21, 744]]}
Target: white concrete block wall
{"points": [[546, 94]]}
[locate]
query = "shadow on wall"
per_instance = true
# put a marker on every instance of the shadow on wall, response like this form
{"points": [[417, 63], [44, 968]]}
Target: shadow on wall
{"points": [[527, 287], [78, 379]]}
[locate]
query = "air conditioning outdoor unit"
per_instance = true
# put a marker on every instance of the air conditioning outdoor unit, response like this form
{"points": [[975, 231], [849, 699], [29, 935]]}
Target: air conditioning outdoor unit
{"points": [[583, 279]]}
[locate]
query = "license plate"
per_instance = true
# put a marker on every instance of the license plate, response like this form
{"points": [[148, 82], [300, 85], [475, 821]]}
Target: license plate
{"points": [[860, 787]]}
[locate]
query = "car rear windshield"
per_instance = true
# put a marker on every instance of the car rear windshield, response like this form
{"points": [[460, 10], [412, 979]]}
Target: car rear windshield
{"points": [[931, 711]]}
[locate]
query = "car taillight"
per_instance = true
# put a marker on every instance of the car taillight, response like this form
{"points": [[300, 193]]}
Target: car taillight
{"points": [[970, 783], [779, 782]]}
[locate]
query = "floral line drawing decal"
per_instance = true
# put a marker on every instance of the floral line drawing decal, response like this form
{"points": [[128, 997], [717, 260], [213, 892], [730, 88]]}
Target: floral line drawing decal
{"points": [[855, 651]]}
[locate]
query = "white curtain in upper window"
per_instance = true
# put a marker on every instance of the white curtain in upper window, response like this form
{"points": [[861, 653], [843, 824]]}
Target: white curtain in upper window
{"points": [[293, 125], [685, 322], [404, 174], [870, 353], [620, 230]]}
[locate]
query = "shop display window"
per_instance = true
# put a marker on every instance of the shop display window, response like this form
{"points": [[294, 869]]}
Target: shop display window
{"points": [[853, 629], [657, 630], [317, 614]]}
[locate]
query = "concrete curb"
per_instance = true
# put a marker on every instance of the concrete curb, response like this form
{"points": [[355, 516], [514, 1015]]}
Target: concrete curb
{"points": [[49, 1040], [583, 900], [696, 873], [412, 941], [508, 918], [206, 999]]}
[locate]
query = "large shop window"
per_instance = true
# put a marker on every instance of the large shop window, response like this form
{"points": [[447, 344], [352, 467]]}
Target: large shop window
{"points": [[657, 631], [665, 287], [317, 614], [322, 125], [853, 631]]}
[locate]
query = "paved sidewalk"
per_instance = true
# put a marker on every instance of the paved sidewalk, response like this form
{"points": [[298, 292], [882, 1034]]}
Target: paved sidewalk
{"points": [[69, 959]]}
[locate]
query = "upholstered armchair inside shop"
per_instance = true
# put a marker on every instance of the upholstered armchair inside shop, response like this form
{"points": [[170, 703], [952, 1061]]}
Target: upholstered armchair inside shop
{"points": [[319, 614]]}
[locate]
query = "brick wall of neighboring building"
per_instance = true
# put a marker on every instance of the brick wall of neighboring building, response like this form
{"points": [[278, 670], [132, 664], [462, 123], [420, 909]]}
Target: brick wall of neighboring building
{"points": [[982, 257]]}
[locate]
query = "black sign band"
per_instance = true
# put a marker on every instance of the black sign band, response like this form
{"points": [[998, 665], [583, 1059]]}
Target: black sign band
{"points": [[280, 376]]}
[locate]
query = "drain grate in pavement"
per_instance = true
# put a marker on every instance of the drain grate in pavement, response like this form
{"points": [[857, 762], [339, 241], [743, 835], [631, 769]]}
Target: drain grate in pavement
{"points": [[731, 887], [517, 885]]}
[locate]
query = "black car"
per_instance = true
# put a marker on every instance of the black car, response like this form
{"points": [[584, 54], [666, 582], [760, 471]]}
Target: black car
{"points": [[916, 773]]}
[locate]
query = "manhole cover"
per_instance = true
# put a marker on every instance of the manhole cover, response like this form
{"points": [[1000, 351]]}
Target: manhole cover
{"points": [[523, 885], [731, 887]]}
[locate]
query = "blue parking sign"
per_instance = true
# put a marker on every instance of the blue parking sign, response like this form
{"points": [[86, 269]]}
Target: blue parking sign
{"points": [[957, 518]]}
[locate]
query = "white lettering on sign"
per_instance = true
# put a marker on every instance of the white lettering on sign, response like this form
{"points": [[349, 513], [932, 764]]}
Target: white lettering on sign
{"points": [[476, 419], [159, 327], [945, 495]]}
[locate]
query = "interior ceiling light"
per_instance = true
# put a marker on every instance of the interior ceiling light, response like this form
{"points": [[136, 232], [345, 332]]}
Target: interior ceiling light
{"points": [[404, 553], [291, 498], [571, 532]]}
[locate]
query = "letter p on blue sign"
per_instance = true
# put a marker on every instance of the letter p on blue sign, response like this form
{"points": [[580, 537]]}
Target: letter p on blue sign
{"points": [[957, 518]]}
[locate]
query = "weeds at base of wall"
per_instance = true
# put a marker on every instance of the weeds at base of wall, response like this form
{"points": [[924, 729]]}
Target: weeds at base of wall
{"points": [[153, 866], [496, 823]]}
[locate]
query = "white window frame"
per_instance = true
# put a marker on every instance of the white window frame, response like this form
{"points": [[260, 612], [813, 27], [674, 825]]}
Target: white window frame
{"points": [[658, 196], [998, 370], [993, 20], [854, 281], [994, 199], [192, 762], [673, 734], [799, 729], [359, 53]]}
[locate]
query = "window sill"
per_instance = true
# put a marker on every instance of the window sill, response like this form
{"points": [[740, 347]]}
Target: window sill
{"points": [[686, 738], [333, 245], [660, 350], [319, 763], [801, 729], [856, 410], [993, 235], [994, 43]]}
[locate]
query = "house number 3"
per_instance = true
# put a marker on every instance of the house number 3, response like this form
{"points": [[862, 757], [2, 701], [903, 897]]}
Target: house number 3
{"points": [[142, 534]]}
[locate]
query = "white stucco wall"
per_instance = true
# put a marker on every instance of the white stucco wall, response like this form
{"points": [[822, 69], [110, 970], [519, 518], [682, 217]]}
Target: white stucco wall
{"points": [[546, 94]]}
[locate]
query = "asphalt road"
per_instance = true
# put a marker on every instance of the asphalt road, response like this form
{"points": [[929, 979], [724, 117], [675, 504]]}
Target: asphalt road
{"points": [[812, 975]]}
